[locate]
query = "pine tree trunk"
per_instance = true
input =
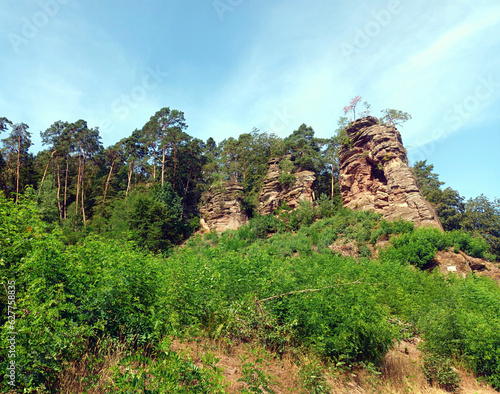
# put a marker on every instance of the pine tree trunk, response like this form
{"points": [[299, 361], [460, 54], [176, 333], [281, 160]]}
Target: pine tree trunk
{"points": [[7, 170], [18, 165], [107, 183], [175, 166], [332, 182], [66, 187], [187, 183], [154, 164], [163, 168], [78, 182], [45, 172], [83, 193], [130, 171], [185, 191], [59, 192]]}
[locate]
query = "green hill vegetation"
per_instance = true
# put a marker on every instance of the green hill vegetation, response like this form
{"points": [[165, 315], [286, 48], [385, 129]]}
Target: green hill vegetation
{"points": [[275, 283]]}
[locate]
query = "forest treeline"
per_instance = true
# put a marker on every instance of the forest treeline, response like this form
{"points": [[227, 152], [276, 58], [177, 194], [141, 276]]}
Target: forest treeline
{"points": [[147, 186]]}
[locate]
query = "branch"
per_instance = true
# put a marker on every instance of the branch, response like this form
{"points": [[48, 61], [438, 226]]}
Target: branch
{"points": [[323, 288]]}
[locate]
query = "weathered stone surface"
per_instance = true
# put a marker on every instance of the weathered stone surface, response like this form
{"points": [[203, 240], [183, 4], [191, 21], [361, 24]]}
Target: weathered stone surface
{"points": [[273, 194], [374, 175], [461, 264], [448, 261], [221, 209]]}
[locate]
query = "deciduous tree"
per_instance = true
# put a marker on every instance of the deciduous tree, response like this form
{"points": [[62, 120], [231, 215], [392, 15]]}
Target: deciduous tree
{"points": [[351, 108]]}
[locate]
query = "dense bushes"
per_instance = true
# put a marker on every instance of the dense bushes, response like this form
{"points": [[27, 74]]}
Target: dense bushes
{"points": [[71, 295], [150, 216], [288, 291], [420, 246], [67, 296]]}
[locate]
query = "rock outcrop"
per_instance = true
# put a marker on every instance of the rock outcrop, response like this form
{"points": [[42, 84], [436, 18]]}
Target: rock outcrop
{"points": [[462, 264], [374, 174], [220, 209], [273, 193]]}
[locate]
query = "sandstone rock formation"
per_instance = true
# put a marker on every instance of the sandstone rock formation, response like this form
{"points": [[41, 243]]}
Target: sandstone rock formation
{"points": [[220, 209], [461, 264], [374, 174], [273, 194]]}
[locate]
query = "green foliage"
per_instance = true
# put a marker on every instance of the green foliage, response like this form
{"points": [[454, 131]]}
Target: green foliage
{"points": [[341, 324], [304, 214], [155, 219], [167, 372], [303, 147], [439, 370], [460, 240], [286, 176], [274, 281], [427, 180], [479, 215], [388, 228], [150, 217], [325, 207], [256, 379], [47, 197], [482, 217], [312, 379], [395, 117], [420, 246], [71, 294], [262, 225], [450, 209]]}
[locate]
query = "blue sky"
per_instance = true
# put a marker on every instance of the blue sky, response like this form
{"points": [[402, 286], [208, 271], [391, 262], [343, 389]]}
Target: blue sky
{"points": [[232, 65]]}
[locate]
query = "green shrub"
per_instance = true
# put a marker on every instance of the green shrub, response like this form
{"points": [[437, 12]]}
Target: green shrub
{"points": [[262, 225], [475, 247], [387, 228], [212, 236], [417, 248], [241, 284], [420, 246], [286, 176], [304, 213], [167, 372], [256, 380], [439, 370], [312, 379], [325, 207]]}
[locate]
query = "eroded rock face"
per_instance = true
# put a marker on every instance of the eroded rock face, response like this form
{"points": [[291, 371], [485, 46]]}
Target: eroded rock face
{"points": [[221, 209], [273, 194], [374, 175], [461, 264]]}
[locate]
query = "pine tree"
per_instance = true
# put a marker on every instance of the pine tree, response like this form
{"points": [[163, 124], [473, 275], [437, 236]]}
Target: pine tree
{"points": [[15, 148]]}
